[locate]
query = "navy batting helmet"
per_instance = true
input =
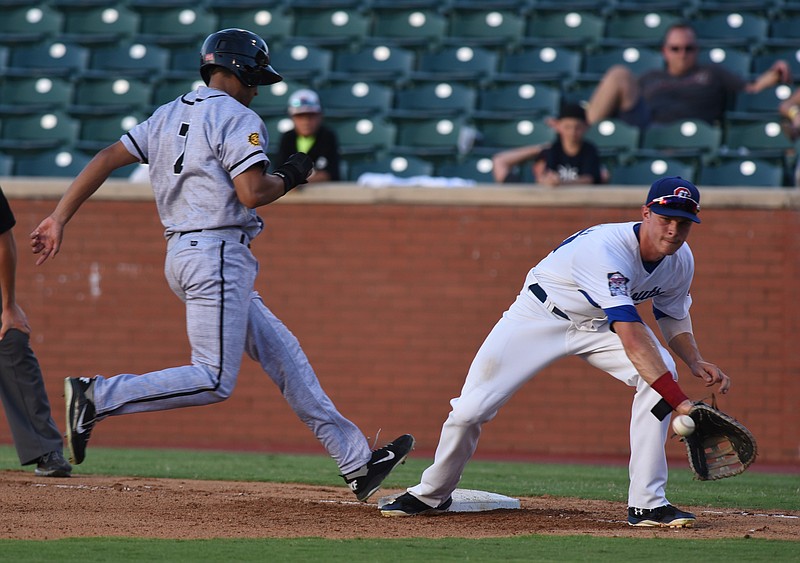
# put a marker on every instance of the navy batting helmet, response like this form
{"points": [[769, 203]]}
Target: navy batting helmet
{"points": [[242, 52]]}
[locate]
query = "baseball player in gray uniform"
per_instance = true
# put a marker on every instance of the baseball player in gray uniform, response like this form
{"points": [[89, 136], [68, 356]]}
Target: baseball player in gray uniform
{"points": [[581, 300], [208, 169]]}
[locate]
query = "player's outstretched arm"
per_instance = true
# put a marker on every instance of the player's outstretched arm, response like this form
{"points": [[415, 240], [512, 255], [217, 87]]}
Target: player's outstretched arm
{"points": [[46, 238], [685, 347]]}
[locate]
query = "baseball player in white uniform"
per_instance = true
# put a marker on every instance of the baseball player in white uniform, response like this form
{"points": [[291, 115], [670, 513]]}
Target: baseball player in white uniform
{"points": [[581, 300], [208, 169]]}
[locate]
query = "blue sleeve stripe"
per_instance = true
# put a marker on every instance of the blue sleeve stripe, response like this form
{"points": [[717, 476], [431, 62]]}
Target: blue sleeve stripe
{"points": [[624, 313]]}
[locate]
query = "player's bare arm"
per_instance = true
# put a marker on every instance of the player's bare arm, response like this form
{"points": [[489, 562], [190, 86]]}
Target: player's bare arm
{"points": [[643, 353], [46, 238], [254, 188], [685, 347]]}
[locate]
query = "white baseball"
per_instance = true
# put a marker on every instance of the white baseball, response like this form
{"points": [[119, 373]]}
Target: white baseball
{"points": [[683, 425]]}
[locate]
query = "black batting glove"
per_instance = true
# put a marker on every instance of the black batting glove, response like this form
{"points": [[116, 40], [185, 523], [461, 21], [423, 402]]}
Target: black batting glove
{"points": [[294, 171]]}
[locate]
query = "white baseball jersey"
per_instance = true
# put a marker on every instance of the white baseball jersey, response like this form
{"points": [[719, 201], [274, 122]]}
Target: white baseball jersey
{"points": [[597, 275], [195, 145]]}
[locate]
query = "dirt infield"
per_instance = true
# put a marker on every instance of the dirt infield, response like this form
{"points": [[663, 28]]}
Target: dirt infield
{"points": [[46, 508]]}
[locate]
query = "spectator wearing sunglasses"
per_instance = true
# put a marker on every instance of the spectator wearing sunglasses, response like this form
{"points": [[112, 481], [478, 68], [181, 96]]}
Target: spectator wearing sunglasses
{"points": [[683, 89]]}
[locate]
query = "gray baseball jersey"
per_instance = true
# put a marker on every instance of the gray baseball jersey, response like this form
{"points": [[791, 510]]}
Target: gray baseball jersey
{"points": [[192, 165]]}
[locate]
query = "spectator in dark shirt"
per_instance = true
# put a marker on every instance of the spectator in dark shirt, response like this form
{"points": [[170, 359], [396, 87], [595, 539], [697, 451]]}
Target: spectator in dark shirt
{"points": [[569, 159], [310, 136], [683, 89]]}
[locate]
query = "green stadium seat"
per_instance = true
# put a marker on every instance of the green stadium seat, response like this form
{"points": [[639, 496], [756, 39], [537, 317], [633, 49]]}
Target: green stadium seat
{"points": [[185, 25], [36, 132], [432, 99], [6, 165], [644, 171], [686, 139], [450, 63], [614, 137], [640, 25], [51, 58], [355, 98], [742, 171], [563, 26], [302, 62], [29, 23], [430, 138], [402, 166], [330, 27], [478, 169], [500, 134], [271, 21], [518, 99], [363, 135], [730, 28], [57, 163], [384, 63], [99, 131], [488, 26], [761, 105], [89, 24], [105, 95], [738, 61], [29, 94], [554, 64], [758, 139], [416, 28], [639, 59], [128, 59]]}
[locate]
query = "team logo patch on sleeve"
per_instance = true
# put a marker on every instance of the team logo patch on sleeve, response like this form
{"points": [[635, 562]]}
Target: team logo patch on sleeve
{"points": [[253, 139], [617, 284]]}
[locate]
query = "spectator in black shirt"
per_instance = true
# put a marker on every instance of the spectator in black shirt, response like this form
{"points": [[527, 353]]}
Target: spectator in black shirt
{"points": [[569, 159], [311, 137]]}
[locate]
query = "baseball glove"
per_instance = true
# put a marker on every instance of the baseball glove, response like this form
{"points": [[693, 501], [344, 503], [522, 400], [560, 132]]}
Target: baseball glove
{"points": [[720, 446]]}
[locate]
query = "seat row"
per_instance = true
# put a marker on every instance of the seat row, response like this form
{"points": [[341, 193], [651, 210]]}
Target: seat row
{"points": [[725, 171], [498, 24]]}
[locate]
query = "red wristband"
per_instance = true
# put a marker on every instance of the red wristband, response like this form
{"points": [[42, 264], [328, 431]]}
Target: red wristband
{"points": [[668, 388]]}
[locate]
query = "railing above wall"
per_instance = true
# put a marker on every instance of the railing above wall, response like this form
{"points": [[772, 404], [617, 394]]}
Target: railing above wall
{"points": [[481, 194]]}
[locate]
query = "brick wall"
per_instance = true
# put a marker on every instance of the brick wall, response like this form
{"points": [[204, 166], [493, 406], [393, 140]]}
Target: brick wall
{"points": [[391, 300]]}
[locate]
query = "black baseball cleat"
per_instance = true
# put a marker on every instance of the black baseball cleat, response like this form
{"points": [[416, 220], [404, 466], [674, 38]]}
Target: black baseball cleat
{"points": [[53, 464], [409, 505], [666, 516], [80, 415], [368, 478]]}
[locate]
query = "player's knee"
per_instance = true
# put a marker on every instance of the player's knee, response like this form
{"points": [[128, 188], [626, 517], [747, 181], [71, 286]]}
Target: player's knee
{"points": [[465, 417]]}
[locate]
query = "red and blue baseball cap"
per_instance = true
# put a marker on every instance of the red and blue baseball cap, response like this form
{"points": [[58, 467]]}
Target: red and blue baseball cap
{"points": [[674, 197]]}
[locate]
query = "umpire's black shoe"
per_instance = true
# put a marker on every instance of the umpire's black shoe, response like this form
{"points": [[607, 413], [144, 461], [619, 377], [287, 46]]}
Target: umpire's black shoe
{"points": [[409, 505], [80, 415], [368, 478], [666, 516], [53, 464]]}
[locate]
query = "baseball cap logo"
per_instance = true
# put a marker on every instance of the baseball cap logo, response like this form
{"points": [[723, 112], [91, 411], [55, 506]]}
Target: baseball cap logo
{"points": [[682, 191]]}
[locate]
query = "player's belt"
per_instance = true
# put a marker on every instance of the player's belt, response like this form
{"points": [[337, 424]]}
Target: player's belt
{"points": [[541, 295], [241, 235]]}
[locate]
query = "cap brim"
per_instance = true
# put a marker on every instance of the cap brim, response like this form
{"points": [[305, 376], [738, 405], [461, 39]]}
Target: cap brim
{"points": [[669, 212]]}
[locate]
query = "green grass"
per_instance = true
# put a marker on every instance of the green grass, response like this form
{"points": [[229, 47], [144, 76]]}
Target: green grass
{"points": [[525, 548], [752, 490]]}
